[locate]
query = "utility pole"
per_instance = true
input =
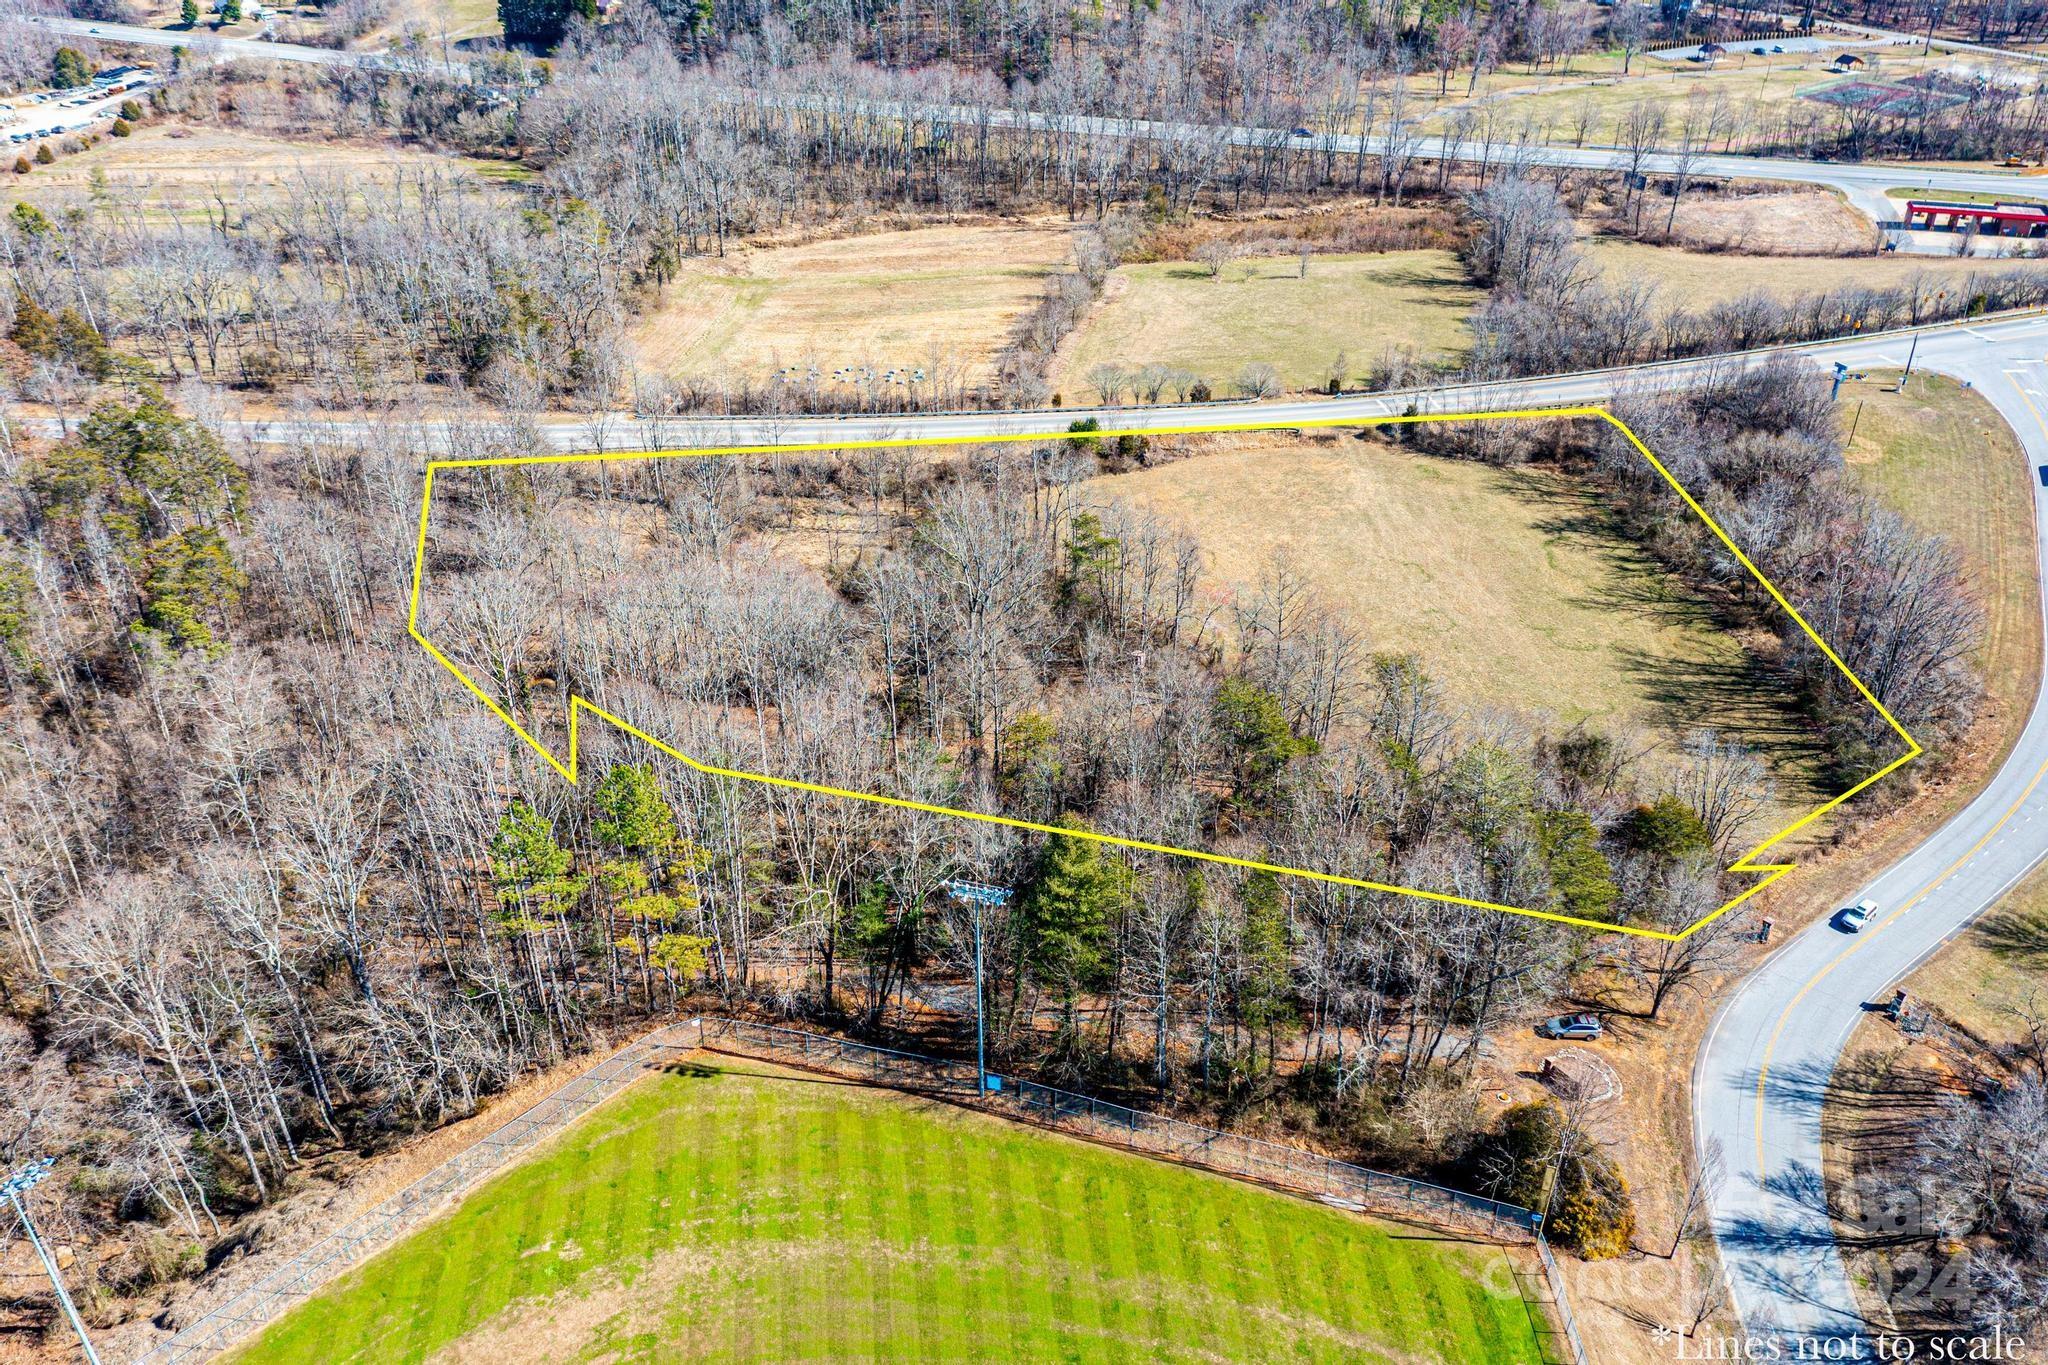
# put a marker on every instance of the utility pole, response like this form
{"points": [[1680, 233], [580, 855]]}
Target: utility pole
{"points": [[14, 1187], [1911, 351], [978, 894]]}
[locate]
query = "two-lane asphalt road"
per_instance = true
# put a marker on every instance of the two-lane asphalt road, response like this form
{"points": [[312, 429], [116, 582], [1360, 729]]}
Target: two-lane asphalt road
{"points": [[1763, 1073], [205, 43], [1761, 1076], [1938, 347], [1863, 185]]}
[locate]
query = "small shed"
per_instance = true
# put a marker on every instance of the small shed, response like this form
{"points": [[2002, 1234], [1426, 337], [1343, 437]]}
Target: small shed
{"points": [[1847, 61]]}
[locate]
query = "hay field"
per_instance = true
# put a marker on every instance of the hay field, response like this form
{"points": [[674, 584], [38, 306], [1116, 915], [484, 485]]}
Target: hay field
{"points": [[1509, 584], [1262, 309], [885, 299], [1755, 85], [744, 1212]]}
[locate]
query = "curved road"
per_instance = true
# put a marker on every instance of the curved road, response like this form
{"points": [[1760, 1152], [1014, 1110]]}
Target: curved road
{"points": [[1763, 1073]]}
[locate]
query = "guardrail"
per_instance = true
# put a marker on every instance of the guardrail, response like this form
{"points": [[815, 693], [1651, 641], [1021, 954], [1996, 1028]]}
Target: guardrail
{"points": [[1137, 1130]]}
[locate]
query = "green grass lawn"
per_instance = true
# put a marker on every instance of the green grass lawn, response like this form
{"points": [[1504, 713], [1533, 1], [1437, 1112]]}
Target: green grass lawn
{"points": [[1264, 309], [746, 1212]]}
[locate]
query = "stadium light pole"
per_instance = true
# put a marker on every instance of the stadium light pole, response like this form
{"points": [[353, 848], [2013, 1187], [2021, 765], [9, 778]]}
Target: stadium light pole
{"points": [[14, 1187], [979, 894]]}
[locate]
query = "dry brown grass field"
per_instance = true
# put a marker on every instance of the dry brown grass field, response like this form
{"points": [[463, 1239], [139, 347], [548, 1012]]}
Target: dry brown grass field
{"points": [[1264, 309], [1507, 583], [1940, 455], [1693, 279], [1777, 222], [885, 300], [183, 162]]}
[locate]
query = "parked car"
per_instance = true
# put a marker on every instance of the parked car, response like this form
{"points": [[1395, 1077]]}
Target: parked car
{"points": [[1760, 50], [1301, 132], [1584, 1027], [1852, 920]]}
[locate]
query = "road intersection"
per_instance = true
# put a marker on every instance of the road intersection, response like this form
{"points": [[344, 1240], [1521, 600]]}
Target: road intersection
{"points": [[1762, 1075]]}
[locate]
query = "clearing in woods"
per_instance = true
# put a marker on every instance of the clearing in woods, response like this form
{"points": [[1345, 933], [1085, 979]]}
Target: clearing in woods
{"points": [[1559, 614], [938, 296], [743, 1211], [1734, 683], [183, 170], [1174, 313]]}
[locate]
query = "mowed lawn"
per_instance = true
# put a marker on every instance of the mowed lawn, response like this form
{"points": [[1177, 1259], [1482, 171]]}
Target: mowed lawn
{"points": [[1263, 309], [1942, 457], [1509, 584], [750, 1213], [941, 295]]}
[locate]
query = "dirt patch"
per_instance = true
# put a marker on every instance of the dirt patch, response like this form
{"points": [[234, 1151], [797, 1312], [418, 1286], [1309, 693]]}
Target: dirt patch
{"points": [[941, 300], [1349, 226], [1805, 223]]}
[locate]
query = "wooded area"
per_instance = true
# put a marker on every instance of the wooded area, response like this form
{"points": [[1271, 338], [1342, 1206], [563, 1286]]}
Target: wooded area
{"points": [[275, 890]]}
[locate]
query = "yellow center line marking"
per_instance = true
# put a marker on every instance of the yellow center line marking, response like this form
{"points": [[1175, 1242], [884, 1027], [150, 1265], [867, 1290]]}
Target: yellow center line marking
{"points": [[1763, 1074], [1764, 1070], [1767, 872]]}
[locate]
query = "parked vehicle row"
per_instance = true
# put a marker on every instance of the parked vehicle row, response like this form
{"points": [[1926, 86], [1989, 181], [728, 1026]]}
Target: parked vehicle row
{"points": [[81, 97]]}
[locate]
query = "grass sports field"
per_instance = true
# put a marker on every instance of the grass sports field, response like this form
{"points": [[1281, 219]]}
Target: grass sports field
{"points": [[1262, 309], [747, 1212]]}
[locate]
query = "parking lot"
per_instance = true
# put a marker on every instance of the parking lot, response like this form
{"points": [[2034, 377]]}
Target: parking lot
{"points": [[54, 113]]}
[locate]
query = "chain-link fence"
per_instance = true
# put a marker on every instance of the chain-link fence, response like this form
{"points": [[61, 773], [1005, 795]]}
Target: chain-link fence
{"points": [[1272, 1163], [1119, 1125]]}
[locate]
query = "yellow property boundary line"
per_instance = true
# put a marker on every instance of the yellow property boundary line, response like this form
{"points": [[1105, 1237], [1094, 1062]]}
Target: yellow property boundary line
{"points": [[1747, 863]]}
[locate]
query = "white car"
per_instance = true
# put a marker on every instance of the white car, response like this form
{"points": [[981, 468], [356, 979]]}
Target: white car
{"points": [[1852, 920]]}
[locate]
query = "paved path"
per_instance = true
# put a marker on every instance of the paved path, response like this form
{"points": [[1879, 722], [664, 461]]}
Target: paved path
{"points": [[1764, 1070]]}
